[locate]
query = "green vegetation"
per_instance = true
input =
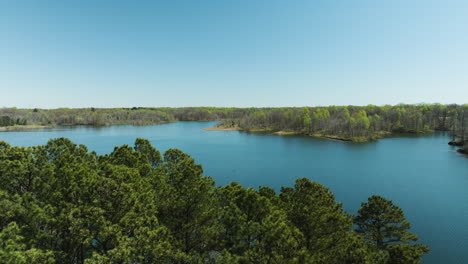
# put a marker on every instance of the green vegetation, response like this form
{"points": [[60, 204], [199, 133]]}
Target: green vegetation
{"points": [[85, 116], [349, 123], [61, 203], [353, 123], [8, 121], [383, 223]]}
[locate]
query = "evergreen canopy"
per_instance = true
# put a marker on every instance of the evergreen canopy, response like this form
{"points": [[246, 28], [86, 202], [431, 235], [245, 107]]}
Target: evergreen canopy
{"points": [[61, 203]]}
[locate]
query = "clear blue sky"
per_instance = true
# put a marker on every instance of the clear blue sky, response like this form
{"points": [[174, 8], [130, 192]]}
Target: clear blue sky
{"points": [[111, 53]]}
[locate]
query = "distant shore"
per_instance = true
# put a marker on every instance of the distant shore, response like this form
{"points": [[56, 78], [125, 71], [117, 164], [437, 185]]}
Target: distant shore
{"points": [[22, 128], [33, 127]]}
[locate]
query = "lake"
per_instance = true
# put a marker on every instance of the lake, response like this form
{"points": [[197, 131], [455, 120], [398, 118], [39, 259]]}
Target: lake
{"points": [[423, 175]]}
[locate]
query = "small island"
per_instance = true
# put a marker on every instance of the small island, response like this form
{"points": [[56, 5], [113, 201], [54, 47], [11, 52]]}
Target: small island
{"points": [[353, 123]]}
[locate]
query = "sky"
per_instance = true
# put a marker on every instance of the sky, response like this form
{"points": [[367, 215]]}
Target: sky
{"points": [[240, 53]]}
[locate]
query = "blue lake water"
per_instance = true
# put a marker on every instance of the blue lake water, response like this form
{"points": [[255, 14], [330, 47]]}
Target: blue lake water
{"points": [[423, 175]]}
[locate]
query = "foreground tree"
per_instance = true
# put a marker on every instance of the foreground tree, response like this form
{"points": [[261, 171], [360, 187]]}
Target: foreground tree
{"points": [[60, 203], [383, 224], [254, 230], [14, 251], [187, 206], [312, 208]]}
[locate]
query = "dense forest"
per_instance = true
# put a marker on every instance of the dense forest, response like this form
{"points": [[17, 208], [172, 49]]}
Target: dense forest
{"points": [[357, 123], [85, 116], [352, 123], [61, 203]]}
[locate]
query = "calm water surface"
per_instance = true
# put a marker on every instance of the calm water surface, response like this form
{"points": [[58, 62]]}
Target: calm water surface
{"points": [[423, 175]]}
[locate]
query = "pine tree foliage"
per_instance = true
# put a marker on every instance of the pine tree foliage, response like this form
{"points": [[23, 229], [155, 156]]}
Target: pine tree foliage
{"points": [[61, 203]]}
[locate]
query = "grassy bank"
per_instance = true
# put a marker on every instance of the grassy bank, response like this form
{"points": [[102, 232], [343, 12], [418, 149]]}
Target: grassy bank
{"points": [[360, 139], [22, 127], [216, 128], [33, 127]]}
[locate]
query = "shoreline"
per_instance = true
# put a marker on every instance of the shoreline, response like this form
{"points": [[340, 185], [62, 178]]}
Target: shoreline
{"points": [[34, 127], [22, 128], [292, 133], [462, 151], [222, 129], [300, 133]]}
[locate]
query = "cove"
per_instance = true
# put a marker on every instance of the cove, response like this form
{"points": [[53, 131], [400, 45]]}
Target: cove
{"points": [[422, 175]]}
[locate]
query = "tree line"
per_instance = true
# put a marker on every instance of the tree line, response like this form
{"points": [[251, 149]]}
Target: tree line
{"points": [[86, 116], [114, 116], [356, 123], [61, 203]]}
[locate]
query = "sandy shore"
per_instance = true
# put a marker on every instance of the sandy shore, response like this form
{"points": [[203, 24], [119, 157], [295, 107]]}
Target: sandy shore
{"points": [[20, 128], [287, 133], [222, 129]]}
